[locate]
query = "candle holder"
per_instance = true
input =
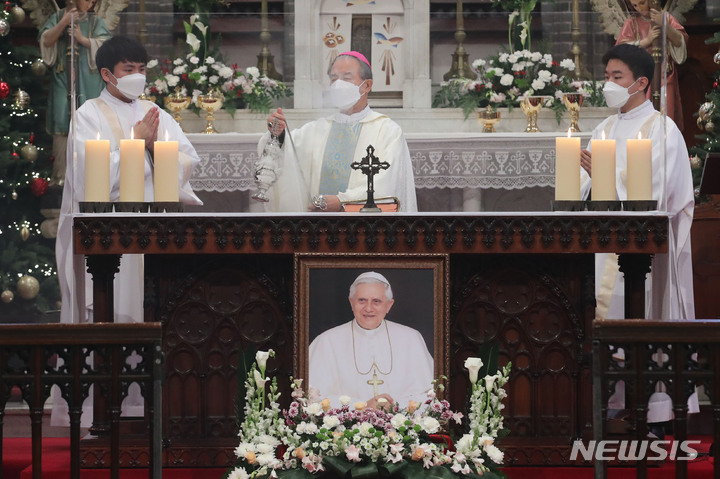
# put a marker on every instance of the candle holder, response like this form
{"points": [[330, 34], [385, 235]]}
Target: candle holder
{"points": [[488, 117], [211, 102], [166, 207], [567, 205], [639, 205], [95, 207], [177, 102], [602, 205], [573, 102], [531, 105], [131, 206]]}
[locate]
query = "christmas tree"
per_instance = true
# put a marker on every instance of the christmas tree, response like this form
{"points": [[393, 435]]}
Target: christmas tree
{"points": [[708, 121], [28, 279]]}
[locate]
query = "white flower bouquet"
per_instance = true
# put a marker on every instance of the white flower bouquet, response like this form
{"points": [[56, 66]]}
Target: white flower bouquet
{"points": [[311, 438], [504, 80], [199, 72]]}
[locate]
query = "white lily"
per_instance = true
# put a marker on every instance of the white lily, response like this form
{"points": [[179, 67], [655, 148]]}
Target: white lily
{"points": [[473, 366]]}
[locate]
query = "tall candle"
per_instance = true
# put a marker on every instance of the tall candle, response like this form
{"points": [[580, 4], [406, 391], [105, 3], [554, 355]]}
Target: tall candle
{"points": [[567, 168], [97, 170], [603, 170], [166, 171], [132, 170], [639, 169]]}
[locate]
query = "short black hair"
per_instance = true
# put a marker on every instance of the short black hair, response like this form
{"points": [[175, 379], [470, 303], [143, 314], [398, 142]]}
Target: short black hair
{"points": [[638, 60], [119, 49]]}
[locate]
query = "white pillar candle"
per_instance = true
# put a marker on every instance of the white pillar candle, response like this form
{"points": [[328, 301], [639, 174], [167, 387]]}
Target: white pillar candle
{"points": [[639, 169], [166, 171], [97, 170], [603, 170], [132, 170], [567, 168]]}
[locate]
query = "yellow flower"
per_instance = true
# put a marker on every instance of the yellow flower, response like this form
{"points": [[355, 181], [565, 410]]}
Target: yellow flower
{"points": [[326, 404], [360, 405], [418, 454], [412, 406], [250, 457]]}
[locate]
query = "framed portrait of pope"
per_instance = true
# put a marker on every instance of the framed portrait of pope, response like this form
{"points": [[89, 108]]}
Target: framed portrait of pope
{"points": [[370, 328]]}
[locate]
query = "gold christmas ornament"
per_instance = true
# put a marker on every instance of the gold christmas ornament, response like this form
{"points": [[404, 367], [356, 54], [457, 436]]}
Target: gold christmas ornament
{"points": [[7, 296], [706, 110], [24, 233], [709, 126], [17, 14], [29, 152], [28, 287], [22, 99], [38, 68], [695, 162]]}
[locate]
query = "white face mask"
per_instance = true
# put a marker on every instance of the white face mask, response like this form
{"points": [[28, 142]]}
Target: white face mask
{"points": [[131, 86], [342, 95], [617, 96]]}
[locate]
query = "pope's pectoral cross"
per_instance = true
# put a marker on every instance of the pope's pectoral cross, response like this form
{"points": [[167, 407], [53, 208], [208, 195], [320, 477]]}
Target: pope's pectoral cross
{"points": [[375, 382], [370, 165]]}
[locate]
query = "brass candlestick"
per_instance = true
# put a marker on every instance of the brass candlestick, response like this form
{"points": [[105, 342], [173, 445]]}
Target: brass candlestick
{"points": [[460, 67]]}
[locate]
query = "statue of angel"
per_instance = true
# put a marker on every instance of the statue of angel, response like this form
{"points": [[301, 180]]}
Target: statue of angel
{"points": [[640, 22], [89, 23]]}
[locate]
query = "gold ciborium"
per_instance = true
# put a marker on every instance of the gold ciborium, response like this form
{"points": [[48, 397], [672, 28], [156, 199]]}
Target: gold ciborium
{"points": [[573, 102], [177, 102], [210, 102], [531, 105], [488, 117]]}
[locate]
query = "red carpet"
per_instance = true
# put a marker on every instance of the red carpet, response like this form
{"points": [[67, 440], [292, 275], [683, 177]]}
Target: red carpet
{"points": [[56, 465]]}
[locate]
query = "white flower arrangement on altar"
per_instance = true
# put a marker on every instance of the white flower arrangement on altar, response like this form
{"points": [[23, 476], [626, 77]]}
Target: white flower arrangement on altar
{"points": [[198, 72], [311, 437], [505, 79]]}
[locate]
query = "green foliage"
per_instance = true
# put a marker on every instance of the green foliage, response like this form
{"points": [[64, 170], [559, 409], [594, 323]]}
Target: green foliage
{"points": [[19, 205]]}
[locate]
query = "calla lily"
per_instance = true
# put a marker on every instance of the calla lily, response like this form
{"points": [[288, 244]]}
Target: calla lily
{"points": [[261, 357], [489, 382], [193, 41], [473, 366]]}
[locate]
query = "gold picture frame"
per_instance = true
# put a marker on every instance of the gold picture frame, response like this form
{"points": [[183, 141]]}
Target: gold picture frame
{"points": [[322, 282]]}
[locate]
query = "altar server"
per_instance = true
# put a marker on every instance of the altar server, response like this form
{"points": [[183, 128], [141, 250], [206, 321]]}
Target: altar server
{"points": [[316, 173], [121, 62], [371, 359], [628, 73]]}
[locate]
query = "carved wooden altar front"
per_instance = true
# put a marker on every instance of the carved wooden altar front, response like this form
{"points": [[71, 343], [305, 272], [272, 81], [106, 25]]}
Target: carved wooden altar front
{"points": [[220, 283]]}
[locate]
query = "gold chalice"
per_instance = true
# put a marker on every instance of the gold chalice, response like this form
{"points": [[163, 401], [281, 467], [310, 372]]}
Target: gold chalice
{"points": [[488, 117], [531, 105], [573, 102], [210, 102], [177, 102]]}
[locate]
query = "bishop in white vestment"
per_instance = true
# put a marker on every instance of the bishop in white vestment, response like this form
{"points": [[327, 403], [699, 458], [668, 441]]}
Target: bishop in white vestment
{"points": [[370, 357], [315, 159]]}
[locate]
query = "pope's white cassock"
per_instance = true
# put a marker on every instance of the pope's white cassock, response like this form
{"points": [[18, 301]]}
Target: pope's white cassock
{"points": [[670, 283], [344, 358], [337, 141], [112, 119], [669, 286]]}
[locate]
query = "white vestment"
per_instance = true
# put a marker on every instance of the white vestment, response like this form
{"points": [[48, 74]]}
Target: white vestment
{"points": [[113, 120], [299, 178], [342, 359], [669, 286]]}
